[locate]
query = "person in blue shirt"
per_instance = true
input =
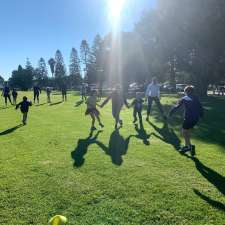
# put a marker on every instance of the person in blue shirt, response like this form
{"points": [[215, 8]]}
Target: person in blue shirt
{"points": [[137, 107], [193, 112], [14, 95], [6, 94], [37, 92], [24, 108]]}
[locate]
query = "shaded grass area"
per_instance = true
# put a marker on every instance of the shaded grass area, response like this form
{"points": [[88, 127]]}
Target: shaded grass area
{"points": [[134, 175]]}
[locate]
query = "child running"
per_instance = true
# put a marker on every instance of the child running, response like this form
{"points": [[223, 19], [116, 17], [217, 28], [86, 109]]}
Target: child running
{"points": [[14, 94], [193, 112], [92, 110], [24, 108], [118, 100], [137, 107]]}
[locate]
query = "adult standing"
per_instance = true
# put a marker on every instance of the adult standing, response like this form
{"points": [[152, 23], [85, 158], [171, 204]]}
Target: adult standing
{"points": [[48, 92], [64, 92], [84, 91], [37, 92], [153, 94], [6, 94]]}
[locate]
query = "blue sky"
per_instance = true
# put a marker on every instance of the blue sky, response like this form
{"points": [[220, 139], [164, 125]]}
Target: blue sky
{"points": [[37, 28]]}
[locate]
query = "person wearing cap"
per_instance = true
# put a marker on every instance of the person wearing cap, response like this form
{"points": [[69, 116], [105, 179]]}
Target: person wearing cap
{"points": [[153, 94]]}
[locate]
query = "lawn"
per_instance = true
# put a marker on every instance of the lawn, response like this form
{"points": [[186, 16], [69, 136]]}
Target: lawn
{"points": [[53, 166]]}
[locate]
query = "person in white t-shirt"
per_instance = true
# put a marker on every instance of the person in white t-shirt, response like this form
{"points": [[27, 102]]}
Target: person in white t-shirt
{"points": [[153, 94]]}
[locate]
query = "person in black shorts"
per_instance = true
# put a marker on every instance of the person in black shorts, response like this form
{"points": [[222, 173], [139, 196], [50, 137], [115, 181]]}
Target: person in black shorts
{"points": [[37, 92], [193, 112], [14, 95], [24, 108], [6, 94], [137, 107]]}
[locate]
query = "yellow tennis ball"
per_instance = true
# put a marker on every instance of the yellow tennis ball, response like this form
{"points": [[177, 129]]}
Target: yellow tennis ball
{"points": [[58, 220]]}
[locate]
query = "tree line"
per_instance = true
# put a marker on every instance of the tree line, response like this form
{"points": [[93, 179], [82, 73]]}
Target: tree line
{"points": [[177, 41]]}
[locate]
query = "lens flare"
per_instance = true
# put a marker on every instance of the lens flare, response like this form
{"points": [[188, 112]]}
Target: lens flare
{"points": [[115, 8]]}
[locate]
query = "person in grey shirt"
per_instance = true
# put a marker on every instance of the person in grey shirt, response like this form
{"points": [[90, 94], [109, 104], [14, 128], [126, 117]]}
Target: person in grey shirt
{"points": [[153, 94]]}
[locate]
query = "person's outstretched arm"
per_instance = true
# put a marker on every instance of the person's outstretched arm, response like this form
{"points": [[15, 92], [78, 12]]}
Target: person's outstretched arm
{"points": [[176, 107], [106, 101], [18, 105]]}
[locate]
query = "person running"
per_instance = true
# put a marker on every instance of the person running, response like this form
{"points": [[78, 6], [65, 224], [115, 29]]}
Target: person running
{"points": [[193, 112], [137, 107], [118, 100], [37, 92], [93, 111], [24, 108], [14, 95], [6, 94], [83, 91], [48, 92], [153, 94], [64, 93]]}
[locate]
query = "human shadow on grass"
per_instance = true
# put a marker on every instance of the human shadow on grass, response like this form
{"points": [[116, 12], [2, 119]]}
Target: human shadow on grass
{"points": [[213, 177], [82, 147], [142, 134], [211, 123], [40, 104], [117, 147], [166, 135], [78, 103], [55, 103], [10, 130]]}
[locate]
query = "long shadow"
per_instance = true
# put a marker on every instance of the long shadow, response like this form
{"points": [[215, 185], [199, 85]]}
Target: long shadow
{"points": [[40, 104], [167, 135], [216, 179], [141, 134], [82, 147], [56, 103], [79, 103], [213, 203], [10, 130], [117, 147], [211, 123]]}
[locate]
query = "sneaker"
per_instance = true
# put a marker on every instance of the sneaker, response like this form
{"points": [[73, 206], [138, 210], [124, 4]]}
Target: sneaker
{"points": [[185, 149], [193, 153], [93, 128], [121, 123], [101, 125]]}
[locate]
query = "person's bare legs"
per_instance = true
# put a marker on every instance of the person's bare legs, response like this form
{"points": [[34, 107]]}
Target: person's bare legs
{"points": [[187, 137], [99, 121], [93, 121]]}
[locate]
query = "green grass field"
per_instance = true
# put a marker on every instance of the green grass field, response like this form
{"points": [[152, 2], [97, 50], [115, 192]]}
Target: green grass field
{"points": [[52, 166]]}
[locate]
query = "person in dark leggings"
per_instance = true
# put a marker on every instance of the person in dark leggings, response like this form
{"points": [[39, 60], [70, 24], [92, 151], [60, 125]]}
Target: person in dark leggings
{"points": [[118, 100], [14, 95], [153, 94], [137, 107], [37, 92], [6, 94], [64, 93], [193, 112]]}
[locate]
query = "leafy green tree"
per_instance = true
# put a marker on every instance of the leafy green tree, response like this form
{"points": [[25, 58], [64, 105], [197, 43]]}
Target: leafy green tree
{"points": [[21, 78], [60, 69], [74, 68], [84, 52], [51, 63], [41, 73]]}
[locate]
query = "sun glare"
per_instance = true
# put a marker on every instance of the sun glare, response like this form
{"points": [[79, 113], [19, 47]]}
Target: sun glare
{"points": [[115, 9]]}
